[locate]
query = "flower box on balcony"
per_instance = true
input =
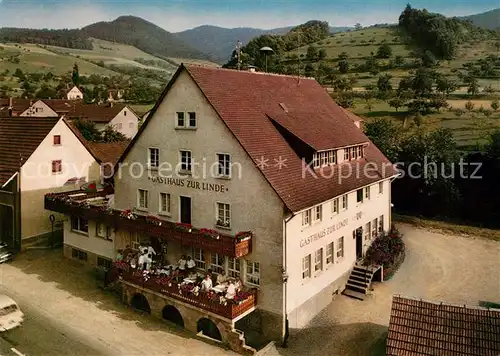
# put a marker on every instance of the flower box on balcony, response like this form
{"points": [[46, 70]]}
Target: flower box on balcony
{"points": [[223, 224], [210, 233], [184, 227], [243, 236], [128, 214], [154, 220]]}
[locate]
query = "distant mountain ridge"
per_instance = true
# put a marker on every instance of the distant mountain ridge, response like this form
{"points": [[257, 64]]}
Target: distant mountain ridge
{"points": [[219, 42], [489, 19], [144, 35]]}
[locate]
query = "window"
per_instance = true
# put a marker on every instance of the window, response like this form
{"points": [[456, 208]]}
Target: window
{"points": [[374, 228], [135, 241], [164, 203], [180, 119], [233, 267], [57, 166], [199, 258], [306, 267], [130, 125], [315, 160], [344, 202], [223, 215], [192, 119], [306, 217], [224, 168], [359, 195], [346, 154], [329, 253], [79, 255], [217, 264], [79, 225], [381, 223], [381, 188], [57, 140], [340, 247], [154, 158], [253, 273], [186, 161], [331, 157], [366, 232], [323, 158], [367, 192], [103, 263], [318, 209], [318, 260], [39, 110], [353, 152], [359, 151], [118, 126], [103, 231], [142, 199], [335, 206]]}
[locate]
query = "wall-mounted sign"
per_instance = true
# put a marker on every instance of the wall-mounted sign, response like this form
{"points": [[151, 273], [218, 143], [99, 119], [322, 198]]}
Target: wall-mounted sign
{"points": [[320, 234], [188, 183]]}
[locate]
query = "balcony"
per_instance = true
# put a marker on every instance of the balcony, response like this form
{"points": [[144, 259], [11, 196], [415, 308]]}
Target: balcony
{"points": [[93, 206], [229, 309]]}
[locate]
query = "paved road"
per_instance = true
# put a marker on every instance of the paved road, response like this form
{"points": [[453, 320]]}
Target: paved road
{"points": [[66, 314]]}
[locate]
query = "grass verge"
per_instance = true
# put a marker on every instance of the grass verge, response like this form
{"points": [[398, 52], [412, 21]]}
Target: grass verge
{"points": [[447, 227]]}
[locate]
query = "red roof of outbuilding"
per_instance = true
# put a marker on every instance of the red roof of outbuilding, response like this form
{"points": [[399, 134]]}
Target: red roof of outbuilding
{"points": [[249, 102]]}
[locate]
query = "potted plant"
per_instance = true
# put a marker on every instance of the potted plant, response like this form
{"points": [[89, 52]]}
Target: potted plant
{"points": [[128, 214], [222, 223], [153, 220], [184, 227], [210, 233]]}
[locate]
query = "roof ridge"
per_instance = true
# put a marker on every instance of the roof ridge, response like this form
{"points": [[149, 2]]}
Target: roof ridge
{"points": [[247, 72], [475, 307]]}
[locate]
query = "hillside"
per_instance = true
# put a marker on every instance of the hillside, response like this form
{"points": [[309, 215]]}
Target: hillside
{"points": [[489, 19], [219, 42], [144, 35]]}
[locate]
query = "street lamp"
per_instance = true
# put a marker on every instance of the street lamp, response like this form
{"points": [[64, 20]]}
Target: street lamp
{"points": [[266, 50]]}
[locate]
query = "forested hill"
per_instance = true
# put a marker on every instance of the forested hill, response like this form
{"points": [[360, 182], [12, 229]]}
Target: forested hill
{"points": [[144, 35], [62, 38]]}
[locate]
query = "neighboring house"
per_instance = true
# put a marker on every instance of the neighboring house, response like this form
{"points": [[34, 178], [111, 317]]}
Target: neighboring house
{"points": [[419, 327], [262, 161], [117, 115], [74, 94], [37, 156]]}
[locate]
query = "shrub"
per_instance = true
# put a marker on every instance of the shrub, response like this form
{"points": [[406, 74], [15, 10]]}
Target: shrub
{"points": [[387, 250], [469, 105]]}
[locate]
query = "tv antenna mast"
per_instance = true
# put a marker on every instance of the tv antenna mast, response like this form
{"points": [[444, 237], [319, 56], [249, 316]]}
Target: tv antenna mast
{"points": [[238, 54], [298, 54]]}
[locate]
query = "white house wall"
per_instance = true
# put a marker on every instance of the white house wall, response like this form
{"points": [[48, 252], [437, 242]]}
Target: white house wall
{"points": [[39, 109], [125, 122], [37, 178], [90, 243], [306, 297]]}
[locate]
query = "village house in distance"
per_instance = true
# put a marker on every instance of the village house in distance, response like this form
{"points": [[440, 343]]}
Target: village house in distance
{"points": [[280, 210]]}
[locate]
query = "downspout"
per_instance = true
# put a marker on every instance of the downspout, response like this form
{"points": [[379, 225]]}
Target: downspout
{"points": [[285, 280], [392, 179]]}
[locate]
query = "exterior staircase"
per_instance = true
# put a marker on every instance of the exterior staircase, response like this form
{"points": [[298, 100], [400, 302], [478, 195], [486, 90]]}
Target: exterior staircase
{"points": [[359, 281]]}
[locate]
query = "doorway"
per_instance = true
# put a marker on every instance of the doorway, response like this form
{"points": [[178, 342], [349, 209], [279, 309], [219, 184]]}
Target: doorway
{"points": [[185, 210], [359, 242], [7, 225]]}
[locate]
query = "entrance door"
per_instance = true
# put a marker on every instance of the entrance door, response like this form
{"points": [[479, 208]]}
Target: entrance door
{"points": [[359, 242], [185, 210], [7, 225]]}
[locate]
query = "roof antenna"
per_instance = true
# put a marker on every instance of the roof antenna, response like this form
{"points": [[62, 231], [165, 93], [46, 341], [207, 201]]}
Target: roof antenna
{"points": [[298, 54]]}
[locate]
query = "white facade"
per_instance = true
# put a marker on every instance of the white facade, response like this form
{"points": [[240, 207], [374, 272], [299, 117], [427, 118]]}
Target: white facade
{"points": [[39, 109], [74, 94], [38, 178], [125, 122]]}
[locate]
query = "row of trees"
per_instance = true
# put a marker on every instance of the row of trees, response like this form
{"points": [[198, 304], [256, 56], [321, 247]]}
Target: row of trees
{"points": [[62, 38], [438, 180]]}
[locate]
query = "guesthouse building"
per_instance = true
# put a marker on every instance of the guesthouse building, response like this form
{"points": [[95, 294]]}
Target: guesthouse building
{"points": [[260, 176]]}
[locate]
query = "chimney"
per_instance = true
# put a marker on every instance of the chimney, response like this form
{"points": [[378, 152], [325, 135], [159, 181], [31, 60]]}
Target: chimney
{"points": [[10, 107]]}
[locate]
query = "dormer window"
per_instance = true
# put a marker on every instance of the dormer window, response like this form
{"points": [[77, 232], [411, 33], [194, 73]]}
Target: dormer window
{"points": [[353, 153], [324, 158]]}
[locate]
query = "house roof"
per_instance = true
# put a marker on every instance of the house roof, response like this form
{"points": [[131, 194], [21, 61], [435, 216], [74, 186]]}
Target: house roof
{"points": [[19, 138], [249, 102], [97, 113], [18, 106], [420, 327]]}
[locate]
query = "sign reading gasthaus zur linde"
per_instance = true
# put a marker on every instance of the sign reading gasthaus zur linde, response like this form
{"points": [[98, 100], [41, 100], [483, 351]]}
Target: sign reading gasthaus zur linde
{"points": [[188, 183], [322, 233]]}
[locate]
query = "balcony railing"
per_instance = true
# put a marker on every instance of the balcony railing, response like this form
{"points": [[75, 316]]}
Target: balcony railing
{"points": [[86, 206], [229, 309]]}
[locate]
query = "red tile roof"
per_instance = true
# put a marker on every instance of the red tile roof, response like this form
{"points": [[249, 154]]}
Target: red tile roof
{"points": [[18, 106], [19, 138], [420, 327], [96, 113], [248, 103]]}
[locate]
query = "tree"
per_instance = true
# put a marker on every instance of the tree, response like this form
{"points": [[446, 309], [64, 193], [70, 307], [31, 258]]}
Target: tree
{"points": [[469, 105], [386, 136], [19, 74], [75, 76], [358, 26], [397, 102], [110, 135], [345, 100], [312, 53], [495, 105], [309, 70], [473, 86], [46, 92], [445, 86], [429, 60], [384, 51], [88, 130], [343, 56], [398, 62], [322, 54], [343, 66], [384, 83]]}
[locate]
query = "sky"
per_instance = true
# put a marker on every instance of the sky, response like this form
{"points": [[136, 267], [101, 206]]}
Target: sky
{"points": [[179, 15]]}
